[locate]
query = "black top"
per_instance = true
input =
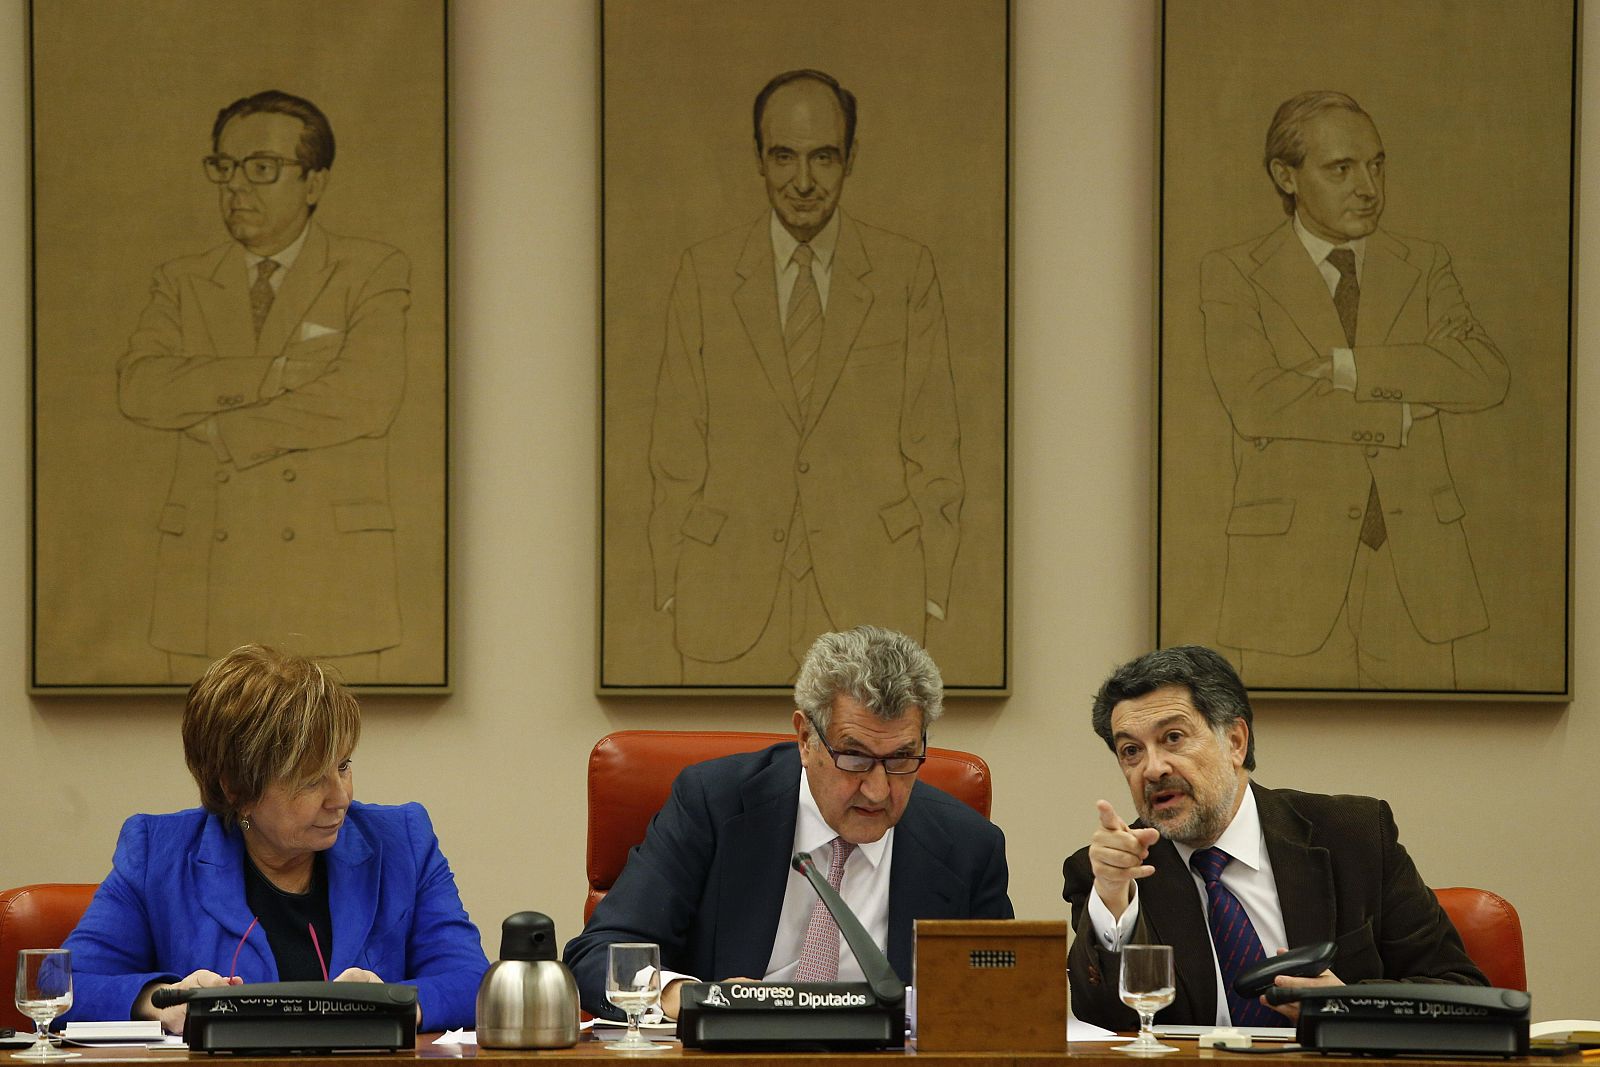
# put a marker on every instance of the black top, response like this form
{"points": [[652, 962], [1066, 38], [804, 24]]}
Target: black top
{"points": [[285, 917]]}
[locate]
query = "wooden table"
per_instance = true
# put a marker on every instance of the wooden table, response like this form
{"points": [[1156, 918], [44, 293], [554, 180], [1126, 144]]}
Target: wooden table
{"points": [[593, 1053]]}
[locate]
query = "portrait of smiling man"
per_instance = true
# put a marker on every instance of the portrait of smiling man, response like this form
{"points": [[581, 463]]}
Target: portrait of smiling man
{"points": [[1334, 345], [805, 452], [1229, 872], [276, 362], [711, 883]]}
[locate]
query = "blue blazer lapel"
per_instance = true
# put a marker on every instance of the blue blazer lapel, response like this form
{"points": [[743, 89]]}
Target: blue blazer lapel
{"points": [[755, 870], [218, 872], [352, 896]]}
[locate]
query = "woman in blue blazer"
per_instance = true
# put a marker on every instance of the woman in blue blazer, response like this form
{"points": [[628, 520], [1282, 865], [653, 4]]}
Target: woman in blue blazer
{"points": [[281, 875]]}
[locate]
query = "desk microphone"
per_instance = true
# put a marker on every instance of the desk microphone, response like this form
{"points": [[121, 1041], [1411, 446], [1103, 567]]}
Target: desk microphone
{"points": [[875, 968], [168, 995], [802, 1016]]}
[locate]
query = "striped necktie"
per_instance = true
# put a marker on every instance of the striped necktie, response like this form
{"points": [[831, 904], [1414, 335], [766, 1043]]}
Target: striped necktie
{"points": [[1232, 936]]}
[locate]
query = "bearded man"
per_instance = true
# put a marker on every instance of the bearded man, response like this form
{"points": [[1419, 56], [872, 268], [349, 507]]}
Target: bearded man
{"points": [[1229, 872]]}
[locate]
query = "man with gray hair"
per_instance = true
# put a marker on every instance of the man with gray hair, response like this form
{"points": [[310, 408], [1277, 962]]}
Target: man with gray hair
{"points": [[1228, 872], [712, 885]]}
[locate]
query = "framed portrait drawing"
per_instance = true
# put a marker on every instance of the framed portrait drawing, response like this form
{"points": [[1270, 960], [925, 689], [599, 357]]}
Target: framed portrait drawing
{"points": [[1366, 266], [239, 343], [804, 366]]}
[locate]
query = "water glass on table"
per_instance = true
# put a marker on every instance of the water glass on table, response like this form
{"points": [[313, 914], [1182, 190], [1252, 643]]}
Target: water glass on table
{"points": [[633, 983], [1146, 985], [44, 990]]}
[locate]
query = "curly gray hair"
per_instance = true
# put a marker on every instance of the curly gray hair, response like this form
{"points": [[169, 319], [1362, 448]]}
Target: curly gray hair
{"points": [[884, 671]]}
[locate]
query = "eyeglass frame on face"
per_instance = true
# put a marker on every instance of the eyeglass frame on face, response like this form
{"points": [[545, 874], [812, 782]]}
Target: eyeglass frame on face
{"points": [[916, 761], [216, 161]]}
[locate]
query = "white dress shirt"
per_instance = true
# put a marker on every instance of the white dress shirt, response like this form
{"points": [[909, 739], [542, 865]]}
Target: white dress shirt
{"points": [[1248, 877], [865, 889]]}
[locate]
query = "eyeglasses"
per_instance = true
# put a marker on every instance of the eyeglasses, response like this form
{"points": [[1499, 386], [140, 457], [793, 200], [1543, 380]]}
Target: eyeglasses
{"points": [[260, 169], [861, 763]]}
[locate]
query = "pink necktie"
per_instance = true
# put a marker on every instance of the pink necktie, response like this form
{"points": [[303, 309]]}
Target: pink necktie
{"points": [[819, 956]]}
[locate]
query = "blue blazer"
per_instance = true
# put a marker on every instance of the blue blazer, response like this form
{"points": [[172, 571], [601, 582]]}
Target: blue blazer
{"points": [[174, 903], [707, 884]]}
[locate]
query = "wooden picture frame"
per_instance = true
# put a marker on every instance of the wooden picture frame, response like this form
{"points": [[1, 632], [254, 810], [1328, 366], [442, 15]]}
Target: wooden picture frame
{"points": [[212, 466], [1427, 381], [895, 442]]}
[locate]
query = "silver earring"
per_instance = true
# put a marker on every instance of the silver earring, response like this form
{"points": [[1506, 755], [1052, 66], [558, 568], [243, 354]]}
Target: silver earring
{"points": [[244, 823]]}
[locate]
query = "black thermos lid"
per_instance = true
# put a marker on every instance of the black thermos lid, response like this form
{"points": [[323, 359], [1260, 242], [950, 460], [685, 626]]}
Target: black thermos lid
{"points": [[528, 935]]}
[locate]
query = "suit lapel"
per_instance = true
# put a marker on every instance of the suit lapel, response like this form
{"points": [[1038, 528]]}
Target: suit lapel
{"points": [[1172, 894], [849, 300], [302, 285], [219, 881], [1303, 872], [921, 884], [1288, 275], [352, 893], [224, 300], [756, 298], [756, 869], [1387, 282]]}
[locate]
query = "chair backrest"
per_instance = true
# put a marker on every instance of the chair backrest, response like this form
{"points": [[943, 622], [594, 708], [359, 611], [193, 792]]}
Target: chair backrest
{"points": [[35, 916], [1491, 931], [631, 773]]}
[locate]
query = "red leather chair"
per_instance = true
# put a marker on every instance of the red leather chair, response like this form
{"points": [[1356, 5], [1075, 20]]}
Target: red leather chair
{"points": [[35, 916], [1491, 931], [631, 773]]}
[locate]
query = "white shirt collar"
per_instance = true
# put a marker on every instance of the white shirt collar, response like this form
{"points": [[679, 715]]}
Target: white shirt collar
{"points": [[284, 258], [1242, 838], [811, 830], [1318, 249], [822, 245]]}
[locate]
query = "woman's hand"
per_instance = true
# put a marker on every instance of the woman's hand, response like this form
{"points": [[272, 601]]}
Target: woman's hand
{"points": [[356, 974], [172, 1017]]}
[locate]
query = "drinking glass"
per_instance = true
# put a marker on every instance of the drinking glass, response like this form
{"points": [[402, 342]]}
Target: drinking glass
{"points": [[1146, 986], [633, 983], [44, 990]]}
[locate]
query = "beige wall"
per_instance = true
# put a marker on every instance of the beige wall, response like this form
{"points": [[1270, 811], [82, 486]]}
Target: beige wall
{"points": [[1497, 796]]}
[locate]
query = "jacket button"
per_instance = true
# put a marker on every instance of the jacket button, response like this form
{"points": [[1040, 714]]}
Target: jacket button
{"points": [[221, 535], [1355, 435], [777, 535], [1354, 513], [804, 467], [1380, 436], [288, 533], [288, 474], [1376, 391], [221, 475]]}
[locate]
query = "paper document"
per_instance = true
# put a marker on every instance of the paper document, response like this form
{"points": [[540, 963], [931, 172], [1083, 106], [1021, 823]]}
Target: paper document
{"points": [[138, 1031], [1257, 1033]]}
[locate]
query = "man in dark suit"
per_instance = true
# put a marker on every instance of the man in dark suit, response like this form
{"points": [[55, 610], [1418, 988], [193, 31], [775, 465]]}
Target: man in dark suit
{"points": [[804, 450], [1335, 345], [1228, 872], [712, 885], [276, 361]]}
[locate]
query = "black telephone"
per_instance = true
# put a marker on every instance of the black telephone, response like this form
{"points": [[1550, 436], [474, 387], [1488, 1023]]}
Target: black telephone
{"points": [[1414, 1017]]}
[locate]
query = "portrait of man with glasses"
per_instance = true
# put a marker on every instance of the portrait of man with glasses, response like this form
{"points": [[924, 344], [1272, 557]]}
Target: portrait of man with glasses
{"points": [[712, 885], [277, 362]]}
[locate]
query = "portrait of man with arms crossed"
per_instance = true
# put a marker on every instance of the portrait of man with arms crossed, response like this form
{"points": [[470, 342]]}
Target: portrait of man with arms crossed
{"points": [[1335, 345]]}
